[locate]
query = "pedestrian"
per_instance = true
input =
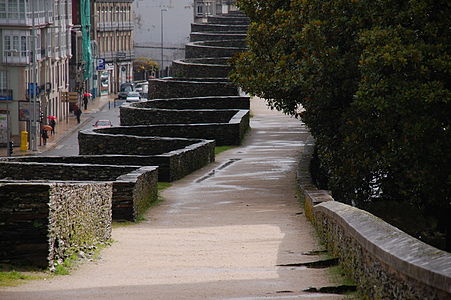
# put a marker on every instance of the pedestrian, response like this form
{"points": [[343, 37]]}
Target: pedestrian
{"points": [[52, 124], [75, 108], [85, 101], [78, 114], [44, 136]]}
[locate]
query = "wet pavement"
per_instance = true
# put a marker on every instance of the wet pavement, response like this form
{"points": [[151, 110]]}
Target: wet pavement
{"points": [[65, 127], [222, 232]]}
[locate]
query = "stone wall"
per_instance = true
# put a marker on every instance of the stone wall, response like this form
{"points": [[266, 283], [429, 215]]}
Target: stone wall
{"points": [[216, 102], [214, 48], [238, 20], [55, 171], [176, 88], [149, 116], [133, 187], [183, 68], [211, 36], [165, 152], [141, 185], [43, 223], [202, 27], [92, 143], [230, 133], [385, 262]]}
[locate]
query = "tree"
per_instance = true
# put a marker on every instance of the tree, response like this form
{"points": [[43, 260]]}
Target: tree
{"points": [[143, 67], [373, 79]]}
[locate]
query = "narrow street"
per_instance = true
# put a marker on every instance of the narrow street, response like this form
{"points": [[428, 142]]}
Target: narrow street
{"points": [[221, 233]]}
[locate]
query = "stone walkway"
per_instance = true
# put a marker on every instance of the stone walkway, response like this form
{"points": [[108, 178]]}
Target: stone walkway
{"points": [[220, 233]]}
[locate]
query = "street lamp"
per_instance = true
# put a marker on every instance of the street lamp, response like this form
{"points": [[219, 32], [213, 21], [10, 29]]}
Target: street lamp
{"points": [[8, 117], [161, 29], [34, 73]]}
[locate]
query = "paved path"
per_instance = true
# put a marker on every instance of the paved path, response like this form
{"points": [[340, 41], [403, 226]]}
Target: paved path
{"points": [[220, 233], [65, 127]]}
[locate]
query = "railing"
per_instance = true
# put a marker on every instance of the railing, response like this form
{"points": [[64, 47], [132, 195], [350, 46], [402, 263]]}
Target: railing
{"points": [[6, 94], [110, 26]]}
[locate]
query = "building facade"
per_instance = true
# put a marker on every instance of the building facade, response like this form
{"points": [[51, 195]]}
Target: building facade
{"points": [[205, 8], [34, 74], [112, 33], [162, 27]]}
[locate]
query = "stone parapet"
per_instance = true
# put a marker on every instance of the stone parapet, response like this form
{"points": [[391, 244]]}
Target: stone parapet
{"points": [[385, 262], [43, 223], [200, 68], [219, 48], [211, 36], [205, 27], [187, 88]]}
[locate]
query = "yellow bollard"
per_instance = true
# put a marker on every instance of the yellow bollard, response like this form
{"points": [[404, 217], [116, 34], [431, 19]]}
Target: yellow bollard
{"points": [[23, 140]]}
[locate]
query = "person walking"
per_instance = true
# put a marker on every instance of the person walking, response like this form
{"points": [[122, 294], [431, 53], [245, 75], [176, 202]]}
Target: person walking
{"points": [[78, 114], [52, 124], [44, 136], [85, 101]]}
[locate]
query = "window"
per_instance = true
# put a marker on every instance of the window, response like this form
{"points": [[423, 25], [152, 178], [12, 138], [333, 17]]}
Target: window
{"points": [[3, 80], [15, 43], [13, 10], [7, 46], [200, 10], [23, 45], [2, 8]]}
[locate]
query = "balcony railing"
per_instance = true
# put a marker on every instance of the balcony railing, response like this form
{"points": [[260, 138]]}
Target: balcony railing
{"points": [[112, 26], [118, 56], [6, 94]]}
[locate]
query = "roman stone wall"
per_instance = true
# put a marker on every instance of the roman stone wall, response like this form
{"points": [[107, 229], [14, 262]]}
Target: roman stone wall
{"points": [[43, 223], [164, 150], [202, 27], [92, 143], [183, 68], [214, 48], [217, 102], [126, 198], [141, 184], [228, 20], [55, 171], [177, 88], [385, 262], [149, 116], [211, 36]]}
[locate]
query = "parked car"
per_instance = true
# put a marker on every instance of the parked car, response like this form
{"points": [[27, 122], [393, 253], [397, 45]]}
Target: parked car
{"points": [[143, 89], [133, 97], [124, 89], [103, 124]]}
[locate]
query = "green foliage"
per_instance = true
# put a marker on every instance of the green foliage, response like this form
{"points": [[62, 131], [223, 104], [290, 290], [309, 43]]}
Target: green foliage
{"points": [[371, 80], [14, 278], [144, 66], [220, 149]]}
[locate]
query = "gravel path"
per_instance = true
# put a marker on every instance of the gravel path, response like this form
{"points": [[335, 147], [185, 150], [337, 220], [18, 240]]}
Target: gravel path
{"points": [[219, 234]]}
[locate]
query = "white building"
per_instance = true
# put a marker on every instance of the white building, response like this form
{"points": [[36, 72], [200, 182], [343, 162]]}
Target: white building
{"points": [[33, 33], [162, 27], [162, 22]]}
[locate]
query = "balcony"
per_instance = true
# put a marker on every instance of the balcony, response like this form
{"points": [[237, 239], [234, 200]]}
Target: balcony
{"points": [[118, 56], [114, 26], [6, 94]]}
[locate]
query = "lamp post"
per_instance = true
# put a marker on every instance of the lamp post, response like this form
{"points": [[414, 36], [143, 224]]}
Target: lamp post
{"points": [[161, 29], [8, 116], [35, 81]]}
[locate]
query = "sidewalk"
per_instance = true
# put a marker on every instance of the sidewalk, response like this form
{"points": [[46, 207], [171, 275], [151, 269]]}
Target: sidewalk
{"points": [[65, 127], [230, 230]]}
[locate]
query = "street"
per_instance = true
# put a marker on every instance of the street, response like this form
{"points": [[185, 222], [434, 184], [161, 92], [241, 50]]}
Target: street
{"points": [[68, 145]]}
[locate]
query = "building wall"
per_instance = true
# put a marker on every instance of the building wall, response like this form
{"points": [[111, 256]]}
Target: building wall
{"points": [[113, 25], [52, 20], [177, 16]]}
